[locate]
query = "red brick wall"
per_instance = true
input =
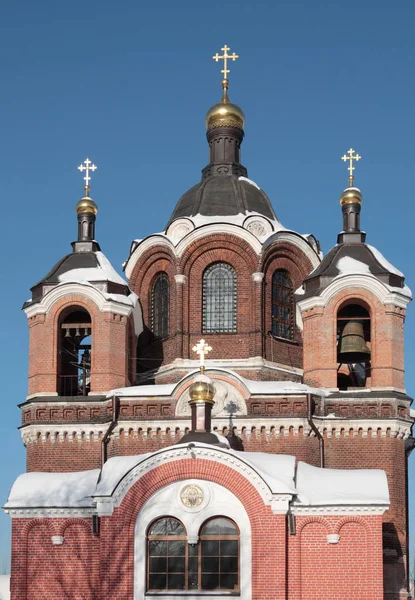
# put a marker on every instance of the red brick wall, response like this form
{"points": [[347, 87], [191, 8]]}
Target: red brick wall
{"points": [[283, 566]]}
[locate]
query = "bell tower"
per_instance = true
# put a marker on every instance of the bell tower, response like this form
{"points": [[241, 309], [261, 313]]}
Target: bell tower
{"points": [[83, 322], [353, 310]]}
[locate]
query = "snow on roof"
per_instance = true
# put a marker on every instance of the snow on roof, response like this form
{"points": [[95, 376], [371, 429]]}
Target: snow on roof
{"points": [[276, 469], [322, 487], [385, 263], [254, 387], [104, 272], [53, 489], [249, 181], [348, 265], [312, 486], [4, 587]]}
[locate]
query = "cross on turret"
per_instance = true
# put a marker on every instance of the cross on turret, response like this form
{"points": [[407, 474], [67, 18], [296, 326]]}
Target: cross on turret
{"points": [[87, 166], [202, 348], [351, 168], [225, 57]]}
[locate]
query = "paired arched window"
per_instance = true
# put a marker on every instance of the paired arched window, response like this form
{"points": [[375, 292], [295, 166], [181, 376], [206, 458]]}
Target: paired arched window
{"points": [[283, 310], [210, 565], [219, 299], [160, 299], [74, 352]]}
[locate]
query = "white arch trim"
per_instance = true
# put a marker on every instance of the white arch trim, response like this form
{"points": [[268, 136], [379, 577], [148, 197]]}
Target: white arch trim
{"points": [[296, 240], [82, 289], [218, 501], [158, 239], [219, 228], [385, 293], [115, 483]]}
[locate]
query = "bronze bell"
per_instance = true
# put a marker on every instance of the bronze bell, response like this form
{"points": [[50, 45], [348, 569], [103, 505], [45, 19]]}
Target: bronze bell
{"points": [[352, 346]]}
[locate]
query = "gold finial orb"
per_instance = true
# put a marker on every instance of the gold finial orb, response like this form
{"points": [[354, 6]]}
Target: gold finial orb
{"points": [[351, 195], [86, 205], [202, 390], [225, 114]]}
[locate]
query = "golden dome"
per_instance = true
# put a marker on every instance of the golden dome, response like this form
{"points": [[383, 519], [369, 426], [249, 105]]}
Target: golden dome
{"points": [[86, 205], [202, 390], [224, 113], [351, 195]]}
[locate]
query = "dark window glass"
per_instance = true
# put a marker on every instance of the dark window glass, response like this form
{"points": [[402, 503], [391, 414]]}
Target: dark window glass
{"points": [[219, 299], [213, 564], [283, 312], [160, 297]]}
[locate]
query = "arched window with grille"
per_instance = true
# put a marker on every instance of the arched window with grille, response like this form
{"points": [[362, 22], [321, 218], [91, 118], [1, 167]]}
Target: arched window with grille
{"points": [[211, 565], [160, 300], [283, 310], [219, 299]]}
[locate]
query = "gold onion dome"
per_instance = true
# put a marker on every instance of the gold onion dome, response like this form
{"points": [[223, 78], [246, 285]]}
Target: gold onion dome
{"points": [[202, 390], [351, 195], [86, 205], [224, 113]]}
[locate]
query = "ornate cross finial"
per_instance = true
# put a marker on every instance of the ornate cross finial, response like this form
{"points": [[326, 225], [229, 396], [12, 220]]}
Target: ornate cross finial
{"points": [[225, 57], [202, 348], [351, 168], [87, 166]]}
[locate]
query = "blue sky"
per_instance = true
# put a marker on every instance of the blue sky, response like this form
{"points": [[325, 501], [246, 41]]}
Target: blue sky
{"points": [[128, 85]]}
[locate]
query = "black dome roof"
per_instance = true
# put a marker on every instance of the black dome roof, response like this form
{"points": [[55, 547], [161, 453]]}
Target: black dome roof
{"points": [[223, 196]]}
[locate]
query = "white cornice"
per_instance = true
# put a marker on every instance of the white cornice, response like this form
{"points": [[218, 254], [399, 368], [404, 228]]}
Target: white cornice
{"points": [[257, 427], [51, 513], [386, 294], [356, 510], [82, 289]]}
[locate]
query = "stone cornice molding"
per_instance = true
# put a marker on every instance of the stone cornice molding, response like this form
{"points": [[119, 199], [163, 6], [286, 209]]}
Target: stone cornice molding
{"points": [[386, 294], [82, 289], [350, 509], [266, 428], [50, 513]]}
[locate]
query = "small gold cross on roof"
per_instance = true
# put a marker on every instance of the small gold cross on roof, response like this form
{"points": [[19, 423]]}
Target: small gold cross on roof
{"points": [[87, 166], [202, 348], [351, 168], [225, 57]]}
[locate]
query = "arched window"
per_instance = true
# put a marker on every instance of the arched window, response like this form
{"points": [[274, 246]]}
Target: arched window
{"points": [[211, 565], [74, 352], [283, 312], [160, 292], [219, 299]]}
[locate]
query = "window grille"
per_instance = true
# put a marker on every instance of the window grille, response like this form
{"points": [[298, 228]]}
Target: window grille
{"points": [[160, 293], [219, 299], [211, 565], [282, 305]]}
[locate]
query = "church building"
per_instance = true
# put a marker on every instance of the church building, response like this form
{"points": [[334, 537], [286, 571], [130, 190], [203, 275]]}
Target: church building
{"points": [[227, 419]]}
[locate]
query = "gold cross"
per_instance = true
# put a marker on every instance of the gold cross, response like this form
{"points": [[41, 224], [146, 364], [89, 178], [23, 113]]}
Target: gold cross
{"points": [[225, 57], [87, 166], [202, 348], [351, 168]]}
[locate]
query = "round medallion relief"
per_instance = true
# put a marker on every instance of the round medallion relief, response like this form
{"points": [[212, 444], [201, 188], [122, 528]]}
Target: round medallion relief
{"points": [[192, 495]]}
